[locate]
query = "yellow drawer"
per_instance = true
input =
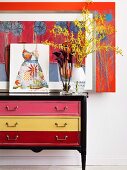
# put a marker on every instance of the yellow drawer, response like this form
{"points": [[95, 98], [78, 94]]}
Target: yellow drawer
{"points": [[39, 123]]}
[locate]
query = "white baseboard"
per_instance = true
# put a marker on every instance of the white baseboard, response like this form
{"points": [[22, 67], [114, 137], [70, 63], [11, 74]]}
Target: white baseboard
{"points": [[57, 157], [108, 160], [40, 160], [60, 160]]}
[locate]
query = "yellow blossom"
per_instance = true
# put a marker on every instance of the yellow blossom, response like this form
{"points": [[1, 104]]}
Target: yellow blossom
{"points": [[89, 38]]}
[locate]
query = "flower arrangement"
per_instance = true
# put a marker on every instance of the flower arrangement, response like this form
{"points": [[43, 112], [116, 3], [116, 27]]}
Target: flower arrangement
{"points": [[88, 34], [84, 36], [65, 63]]}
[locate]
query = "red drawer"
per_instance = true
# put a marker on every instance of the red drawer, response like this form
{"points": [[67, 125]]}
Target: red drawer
{"points": [[46, 108], [1, 137], [39, 138]]}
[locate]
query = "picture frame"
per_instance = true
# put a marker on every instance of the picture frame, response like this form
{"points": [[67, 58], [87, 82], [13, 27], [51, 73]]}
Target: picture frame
{"points": [[94, 73], [29, 68]]}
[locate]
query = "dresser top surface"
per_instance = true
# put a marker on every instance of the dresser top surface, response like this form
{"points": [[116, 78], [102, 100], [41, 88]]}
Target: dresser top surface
{"points": [[47, 96]]}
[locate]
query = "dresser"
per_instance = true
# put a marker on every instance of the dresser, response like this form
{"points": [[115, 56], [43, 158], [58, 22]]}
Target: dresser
{"points": [[43, 122]]}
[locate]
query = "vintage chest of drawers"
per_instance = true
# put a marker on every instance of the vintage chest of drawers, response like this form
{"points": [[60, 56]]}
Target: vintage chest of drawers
{"points": [[43, 122]]}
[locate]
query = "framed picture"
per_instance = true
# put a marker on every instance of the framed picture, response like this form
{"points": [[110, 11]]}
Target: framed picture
{"points": [[19, 24], [33, 28], [29, 68]]}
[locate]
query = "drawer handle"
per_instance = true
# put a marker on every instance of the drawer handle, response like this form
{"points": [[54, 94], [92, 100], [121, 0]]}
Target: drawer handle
{"points": [[61, 110], [59, 139], [57, 125], [8, 137], [11, 109], [7, 124]]}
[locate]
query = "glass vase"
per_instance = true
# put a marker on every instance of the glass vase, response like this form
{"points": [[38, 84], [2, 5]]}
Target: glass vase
{"points": [[65, 74]]}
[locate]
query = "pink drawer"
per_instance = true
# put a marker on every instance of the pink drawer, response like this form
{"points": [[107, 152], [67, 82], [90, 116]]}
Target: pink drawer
{"points": [[46, 108], [40, 138]]}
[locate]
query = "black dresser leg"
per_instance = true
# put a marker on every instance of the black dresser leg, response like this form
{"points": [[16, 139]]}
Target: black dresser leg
{"points": [[83, 158]]}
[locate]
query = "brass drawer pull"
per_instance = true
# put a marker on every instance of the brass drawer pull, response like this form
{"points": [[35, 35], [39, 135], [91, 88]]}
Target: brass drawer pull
{"points": [[57, 125], [59, 139], [61, 110], [11, 109], [7, 124], [8, 137]]}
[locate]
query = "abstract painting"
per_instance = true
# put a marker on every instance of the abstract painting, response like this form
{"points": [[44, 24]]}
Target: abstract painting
{"points": [[31, 28], [105, 60], [24, 32]]}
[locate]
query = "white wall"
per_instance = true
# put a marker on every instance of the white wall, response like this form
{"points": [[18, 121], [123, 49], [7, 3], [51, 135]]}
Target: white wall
{"points": [[107, 113], [107, 118]]}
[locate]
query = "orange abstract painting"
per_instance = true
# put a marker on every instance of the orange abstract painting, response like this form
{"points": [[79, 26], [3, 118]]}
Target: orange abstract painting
{"points": [[105, 60]]}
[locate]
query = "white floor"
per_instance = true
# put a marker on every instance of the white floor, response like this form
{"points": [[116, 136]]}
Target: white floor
{"points": [[62, 168]]}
